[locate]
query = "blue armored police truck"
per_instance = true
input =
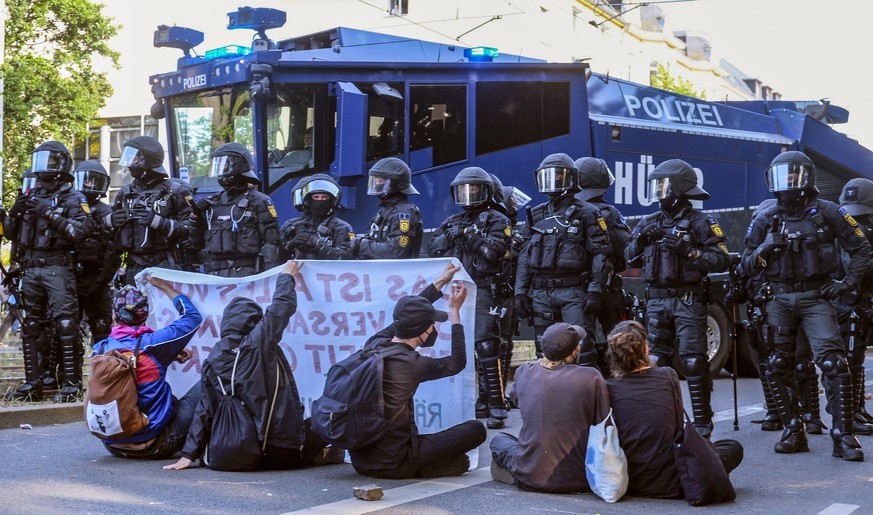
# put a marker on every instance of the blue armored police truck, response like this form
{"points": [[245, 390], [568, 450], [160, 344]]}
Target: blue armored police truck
{"points": [[339, 100]]}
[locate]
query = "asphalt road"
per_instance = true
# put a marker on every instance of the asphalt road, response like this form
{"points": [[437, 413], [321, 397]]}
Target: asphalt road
{"points": [[63, 469]]}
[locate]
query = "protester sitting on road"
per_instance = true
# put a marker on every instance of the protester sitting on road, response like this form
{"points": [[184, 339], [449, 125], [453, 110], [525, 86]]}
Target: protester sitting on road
{"points": [[168, 416], [261, 370], [647, 406], [402, 453], [558, 401]]}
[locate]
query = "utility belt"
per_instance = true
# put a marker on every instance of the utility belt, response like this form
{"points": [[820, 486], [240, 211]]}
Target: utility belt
{"points": [[34, 261], [214, 265], [797, 287], [496, 283], [653, 292], [560, 281]]}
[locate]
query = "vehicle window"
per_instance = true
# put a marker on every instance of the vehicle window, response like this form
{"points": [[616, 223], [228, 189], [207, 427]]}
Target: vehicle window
{"points": [[509, 114], [439, 120], [384, 120], [202, 122]]}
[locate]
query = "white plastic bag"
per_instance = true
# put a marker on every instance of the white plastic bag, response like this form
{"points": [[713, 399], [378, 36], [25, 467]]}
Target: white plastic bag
{"points": [[605, 462]]}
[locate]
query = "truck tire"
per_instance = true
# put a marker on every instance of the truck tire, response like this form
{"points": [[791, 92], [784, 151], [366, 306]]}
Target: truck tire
{"points": [[718, 338]]}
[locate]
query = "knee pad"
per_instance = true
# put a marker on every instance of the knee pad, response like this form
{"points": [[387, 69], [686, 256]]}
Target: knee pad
{"points": [[67, 327], [100, 327], [834, 365], [695, 365], [31, 327], [804, 370], [660, 360], [778, 363], [487, 348]]}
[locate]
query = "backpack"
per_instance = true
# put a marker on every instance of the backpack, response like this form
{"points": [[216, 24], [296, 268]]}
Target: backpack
{"points": [[233, 438], [111, 401], [350, 414]]}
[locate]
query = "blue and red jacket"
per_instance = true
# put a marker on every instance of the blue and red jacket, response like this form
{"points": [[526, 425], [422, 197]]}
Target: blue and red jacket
{"points": [[158, 350]]}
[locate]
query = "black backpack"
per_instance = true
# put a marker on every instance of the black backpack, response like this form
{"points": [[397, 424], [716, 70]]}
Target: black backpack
{"points": [[233, 439], [350, 414]]}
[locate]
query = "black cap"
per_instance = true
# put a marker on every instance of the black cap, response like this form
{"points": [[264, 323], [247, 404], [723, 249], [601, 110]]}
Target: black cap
{"points": [[413, 315], [560, 340]]}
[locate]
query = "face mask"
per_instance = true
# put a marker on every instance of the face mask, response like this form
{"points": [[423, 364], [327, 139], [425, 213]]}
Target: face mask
{"points": [[49, 184], [137, 173], [431, 338], [320, 207]]}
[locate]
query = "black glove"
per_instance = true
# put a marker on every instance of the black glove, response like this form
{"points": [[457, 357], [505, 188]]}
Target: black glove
{"points": [[772, 244], [677, 245], [736, 295], [356, 246], [302, 240], [41, 206], [143, 212], [523, 305], [118, 217], [12, 275], [651, 232], [19, 206], [593, 303], [202, 205], [835, 289], [455, 232]]}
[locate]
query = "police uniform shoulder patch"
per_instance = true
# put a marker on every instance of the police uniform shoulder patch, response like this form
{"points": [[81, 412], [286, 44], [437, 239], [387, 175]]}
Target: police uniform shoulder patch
{"points": [[272, 209], [602, 223], [404, 241], [723, 247], [716, 229], [404, 224], [859, 232], [351, 236], [85, 207], [507, 230], [848, 217]]}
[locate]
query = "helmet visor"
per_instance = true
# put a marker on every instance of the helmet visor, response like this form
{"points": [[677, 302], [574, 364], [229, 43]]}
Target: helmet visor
{"points": [[221, 165], [789, 176], [89, 181], [554, 179], [377, 185], [132, 158], [320, 186], [470, 194], [28, 184], [47, 161], [519, 198], [659, 189]]}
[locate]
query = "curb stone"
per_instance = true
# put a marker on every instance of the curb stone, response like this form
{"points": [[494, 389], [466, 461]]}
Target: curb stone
{"points": [[42, 415]]}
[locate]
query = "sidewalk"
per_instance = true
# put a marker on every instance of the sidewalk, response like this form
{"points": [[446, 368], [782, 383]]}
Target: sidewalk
{"points": [[43, 414]]}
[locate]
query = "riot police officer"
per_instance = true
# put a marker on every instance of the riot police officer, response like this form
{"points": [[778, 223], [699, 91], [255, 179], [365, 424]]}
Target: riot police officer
{"points": [[794, 244], [46, 226], [97, 259], [676, 248], [237, 229], [151, 214], [319, 233], [854, 310], [595, 178], [564, 265], [396, 230], [480, 238]]}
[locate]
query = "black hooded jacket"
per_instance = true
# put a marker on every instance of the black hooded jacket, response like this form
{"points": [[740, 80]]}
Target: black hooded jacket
{"points": [[257, 339]]}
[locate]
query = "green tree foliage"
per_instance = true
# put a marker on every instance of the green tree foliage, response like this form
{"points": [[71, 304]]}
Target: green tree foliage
{"points": [[665, 80], [51, 89]]}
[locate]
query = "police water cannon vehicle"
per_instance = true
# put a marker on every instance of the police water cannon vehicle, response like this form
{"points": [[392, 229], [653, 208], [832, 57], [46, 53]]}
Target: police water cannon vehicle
{"points": [[337, 101]]}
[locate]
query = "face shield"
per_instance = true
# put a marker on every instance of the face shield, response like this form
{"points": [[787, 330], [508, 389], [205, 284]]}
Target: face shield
{"points": [[554, 179], [225, 165], [789, 176], [378, 185], [319, 186], [47, 161], [470, 194], [132, 158], [28, 183], [659, 189], [89, 181], [519, 199]]}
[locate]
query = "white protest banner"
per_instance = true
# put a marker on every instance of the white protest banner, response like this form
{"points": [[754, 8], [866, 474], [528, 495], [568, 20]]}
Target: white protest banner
{"points": [[340, 304]]}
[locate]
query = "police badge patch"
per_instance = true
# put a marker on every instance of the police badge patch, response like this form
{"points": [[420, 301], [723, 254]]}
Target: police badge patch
{"points": [[404, 240], [716, 229], [272, 209], [404, 223], [602, 223], [85, 207], [507, 231]]}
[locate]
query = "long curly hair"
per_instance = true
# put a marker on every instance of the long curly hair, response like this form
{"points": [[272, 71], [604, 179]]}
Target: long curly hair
{"points": [[627, 348]]}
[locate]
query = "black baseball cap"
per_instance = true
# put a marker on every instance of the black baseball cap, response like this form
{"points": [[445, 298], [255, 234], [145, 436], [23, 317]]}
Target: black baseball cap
{"points": [[413, 315], [560, 340]]}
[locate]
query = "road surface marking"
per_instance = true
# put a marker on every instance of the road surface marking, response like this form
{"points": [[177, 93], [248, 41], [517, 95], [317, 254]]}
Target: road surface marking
{"points": [[728, 414], [839, 509], [403, 494]]}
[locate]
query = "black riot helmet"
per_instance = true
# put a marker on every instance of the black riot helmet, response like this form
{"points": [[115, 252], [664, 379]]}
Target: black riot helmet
{"points": [[472, 187], [52, 161], [28, 181], [390, 176], [791, 171], [143, 154], [497, 187], [674, 179], [91, 179], [233, 162], [595, 177], [857, 197], [320, 183], [557, 174]]}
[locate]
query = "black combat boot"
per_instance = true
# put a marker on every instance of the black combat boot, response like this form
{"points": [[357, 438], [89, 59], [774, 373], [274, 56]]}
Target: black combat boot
{"points": [[71, 362], [807, 389], [494, 386], [31, 390], [793, 439], [846, 446]]}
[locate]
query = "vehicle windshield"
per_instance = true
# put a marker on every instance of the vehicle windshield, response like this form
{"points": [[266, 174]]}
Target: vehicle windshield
{"points": [[204, 121], [292, 132]]}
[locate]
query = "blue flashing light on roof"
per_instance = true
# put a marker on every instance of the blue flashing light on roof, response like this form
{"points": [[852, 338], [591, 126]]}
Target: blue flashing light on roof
{"points": [[482, 54], [227, 51]]}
